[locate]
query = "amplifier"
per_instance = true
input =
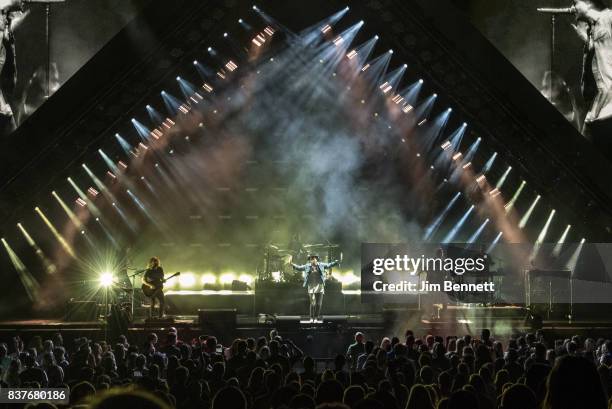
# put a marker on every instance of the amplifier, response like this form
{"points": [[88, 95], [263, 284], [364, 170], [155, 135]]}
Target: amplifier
{"points": [[217, 321], [82, 311]]}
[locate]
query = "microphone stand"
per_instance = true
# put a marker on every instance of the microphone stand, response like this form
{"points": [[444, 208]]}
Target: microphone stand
{"points": [[131, 277], [553, 32], [47, 4], [48, 40]]}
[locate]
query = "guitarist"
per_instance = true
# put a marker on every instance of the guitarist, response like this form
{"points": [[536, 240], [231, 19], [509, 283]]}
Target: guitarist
{"points": [[153, 278]]}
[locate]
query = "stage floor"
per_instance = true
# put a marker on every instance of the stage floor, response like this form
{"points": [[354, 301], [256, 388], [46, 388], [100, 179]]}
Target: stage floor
{"points": [[459, 319]]}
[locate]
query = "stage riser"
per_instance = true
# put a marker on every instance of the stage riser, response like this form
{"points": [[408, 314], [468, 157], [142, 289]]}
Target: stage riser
{"points": [[282, 303]]}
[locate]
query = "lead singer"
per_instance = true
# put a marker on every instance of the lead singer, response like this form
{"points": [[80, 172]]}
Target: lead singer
{"points": [[594, 27], [314, 276]]}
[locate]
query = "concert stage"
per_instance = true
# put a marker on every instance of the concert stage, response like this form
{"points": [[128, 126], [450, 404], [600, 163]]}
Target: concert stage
{"points": [[235, 143], [286, 300], [336, 330]]}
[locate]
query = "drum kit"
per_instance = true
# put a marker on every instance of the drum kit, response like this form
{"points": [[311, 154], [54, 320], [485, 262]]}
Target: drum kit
{"points": [[277, 261]]}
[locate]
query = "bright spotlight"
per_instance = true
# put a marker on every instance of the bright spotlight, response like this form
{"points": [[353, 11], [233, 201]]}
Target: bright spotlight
{"points": [[255, 8], [227, 278], [187, 280], [106, 279], [347, 278], [240, 20], [209, 49], [527, 215], [209, 278], [421, 81], [178, 78], [246, 278], [224, 35], [390, 51]]}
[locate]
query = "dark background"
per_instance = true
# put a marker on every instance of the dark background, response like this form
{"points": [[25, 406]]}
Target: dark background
{"points": [[524, 36], [78, 29]]}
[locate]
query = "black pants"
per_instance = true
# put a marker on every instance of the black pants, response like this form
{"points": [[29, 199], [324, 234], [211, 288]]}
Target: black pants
{"points": [[159, 296], [600, 133], [316, 302], [7, 125]]}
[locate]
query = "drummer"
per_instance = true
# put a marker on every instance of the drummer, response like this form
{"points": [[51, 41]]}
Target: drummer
{"points": [[296, 247]]}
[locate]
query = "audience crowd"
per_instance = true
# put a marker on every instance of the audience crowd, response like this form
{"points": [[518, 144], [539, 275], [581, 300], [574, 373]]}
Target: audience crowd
{"points": [[524, 372]]}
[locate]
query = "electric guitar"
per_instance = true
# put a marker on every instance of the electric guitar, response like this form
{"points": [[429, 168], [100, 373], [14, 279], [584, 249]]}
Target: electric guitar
{"points": [[150, 289]]}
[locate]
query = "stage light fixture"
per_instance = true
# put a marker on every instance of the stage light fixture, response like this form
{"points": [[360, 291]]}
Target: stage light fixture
{"points": [[106, 279], [208, 278], [246, 278], [347, 278], [527, 215], [227, 278], [187, 280]]}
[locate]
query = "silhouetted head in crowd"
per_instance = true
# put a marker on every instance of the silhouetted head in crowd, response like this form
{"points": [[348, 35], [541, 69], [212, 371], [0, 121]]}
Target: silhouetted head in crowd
{"points": [[302, 401], [114, 399], [518, 396], [329, 391], [574, 383], [229, 397], [419, 398], [352, 395], [463, 399]]}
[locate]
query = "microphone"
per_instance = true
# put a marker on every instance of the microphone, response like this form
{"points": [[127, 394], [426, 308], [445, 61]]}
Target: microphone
{"points": [[549, 10]]}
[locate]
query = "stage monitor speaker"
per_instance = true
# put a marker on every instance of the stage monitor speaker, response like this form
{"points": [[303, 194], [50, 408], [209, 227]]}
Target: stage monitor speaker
{"points": [[333, 287], [82, 311], [239, 286], [216, 322], [287, 323], [118, 321]]}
